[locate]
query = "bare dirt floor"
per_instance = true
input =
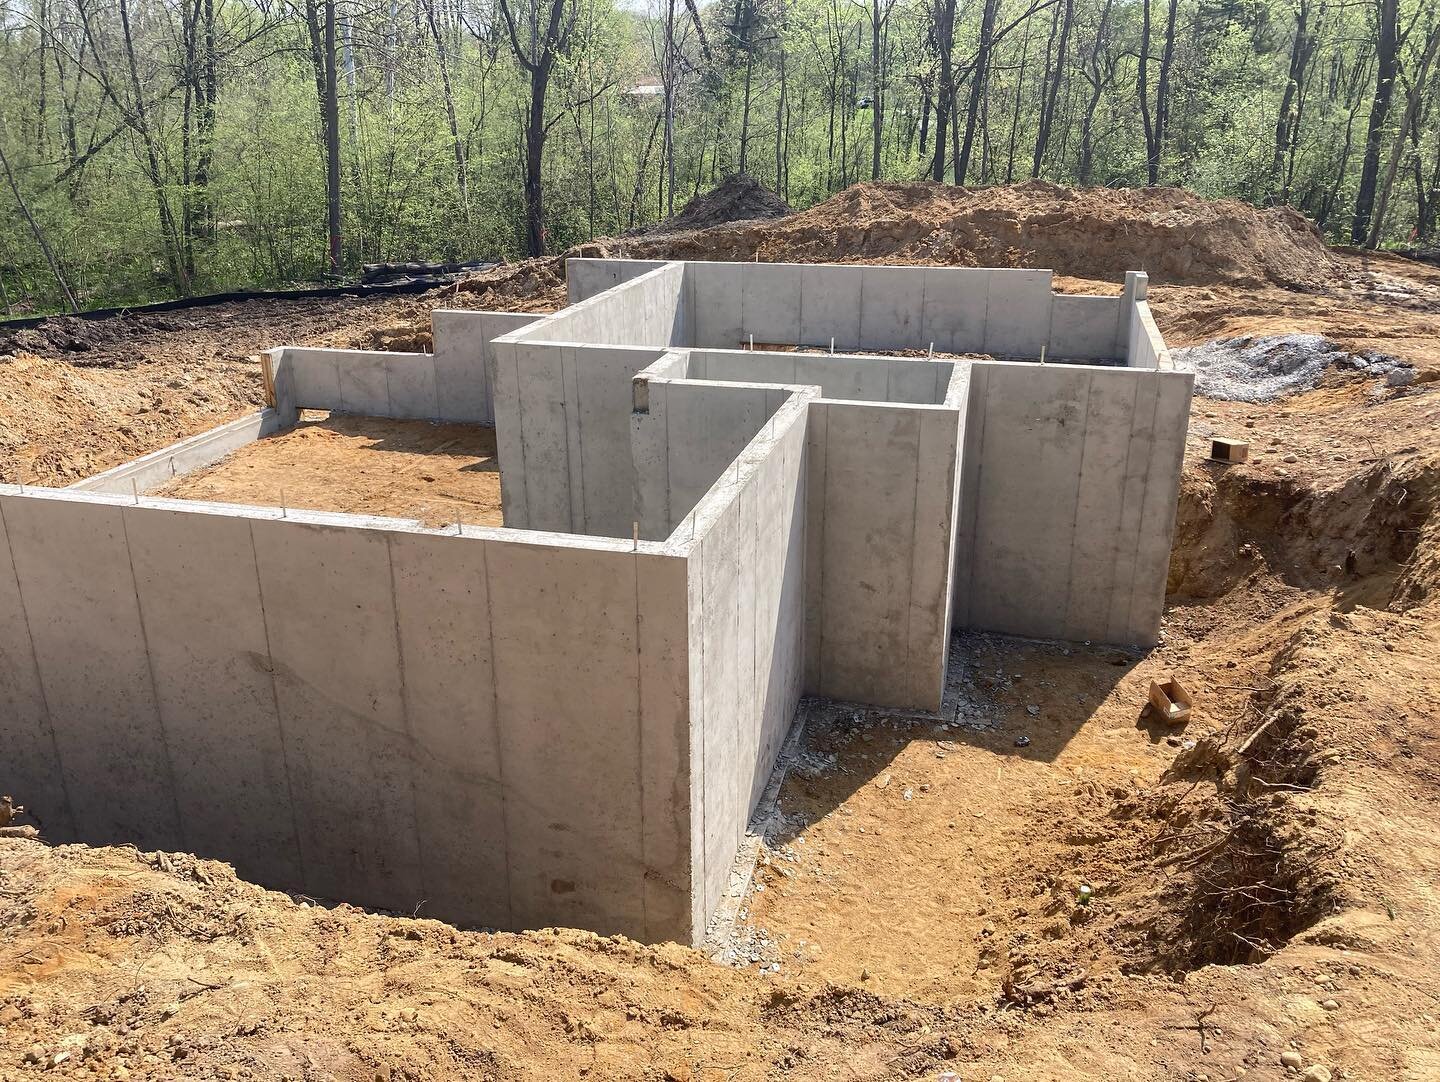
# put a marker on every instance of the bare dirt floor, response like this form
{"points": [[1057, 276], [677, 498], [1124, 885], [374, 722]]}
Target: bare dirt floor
{"points": [[440, 474], [1043, 883]]}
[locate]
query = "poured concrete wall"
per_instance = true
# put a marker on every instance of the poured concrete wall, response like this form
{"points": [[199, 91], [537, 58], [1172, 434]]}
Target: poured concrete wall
{"points": [[688, 434], [648, 309], [452, 384], [884, 445], [1006, 313], [882, 510], [562, 433], [865, 379], [462, 360], [375, 383], [586, 277], [189, 454], [1068, 500], [747, 627], [491, 728]]}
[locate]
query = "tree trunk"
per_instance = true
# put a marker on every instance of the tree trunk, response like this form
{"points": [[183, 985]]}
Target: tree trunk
{"points": [[36, 232], [978, 85], [1047, 109], [1387, 47], [945, 92], [1097, 86], [1412, 105]]}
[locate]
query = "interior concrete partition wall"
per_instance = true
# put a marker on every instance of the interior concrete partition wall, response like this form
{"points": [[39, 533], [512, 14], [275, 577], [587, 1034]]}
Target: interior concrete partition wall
{"points": [[746, 544], [883, 473], [491, 728], [563, 399], [1069, 490]]}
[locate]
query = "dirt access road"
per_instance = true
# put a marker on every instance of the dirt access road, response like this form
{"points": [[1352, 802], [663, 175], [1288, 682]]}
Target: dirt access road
{"points": [[1262, 889]]}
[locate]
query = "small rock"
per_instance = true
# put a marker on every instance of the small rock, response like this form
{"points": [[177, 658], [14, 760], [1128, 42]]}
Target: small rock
{"points": [[882, 782], [1291, 457], [1316, 1073], [1400, 377], [1022, 741], [409, 1014], [1292, 1059], [1033, 711], [1330, 1005]]}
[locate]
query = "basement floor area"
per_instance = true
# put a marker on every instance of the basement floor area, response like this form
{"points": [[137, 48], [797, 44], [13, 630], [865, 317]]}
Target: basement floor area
{"points": [[432, 472]]}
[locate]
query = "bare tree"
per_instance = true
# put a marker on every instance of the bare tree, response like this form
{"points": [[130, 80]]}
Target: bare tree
{"points": [[538, 58], [1387, 14], [36, 232]]}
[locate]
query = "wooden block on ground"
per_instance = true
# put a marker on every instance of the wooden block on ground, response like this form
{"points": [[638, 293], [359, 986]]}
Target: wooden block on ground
{"points": [[1228, 450]]}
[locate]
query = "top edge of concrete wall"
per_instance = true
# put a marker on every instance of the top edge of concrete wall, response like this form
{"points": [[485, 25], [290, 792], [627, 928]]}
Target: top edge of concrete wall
{"points": [[536, 332], [340, 520]]}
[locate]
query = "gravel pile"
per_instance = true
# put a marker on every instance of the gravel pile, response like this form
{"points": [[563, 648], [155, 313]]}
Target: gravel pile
{"points": [[1249, 369]]}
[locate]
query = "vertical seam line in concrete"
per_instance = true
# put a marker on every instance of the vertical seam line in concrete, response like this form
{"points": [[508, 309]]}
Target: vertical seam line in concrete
{"points": [[973, 529], [154, 686], [584, 526], [279, 714], [1130, 629], [499, 741], [520, 437], [820, 548], [389, 396], [670, 524], [1065, 622], [640, 751], [985, 321], [1120, 539], [699, 564], [405, 715], [914, 543], [799, 311], [339, 385], [40, 679], [435, 371], [860, 313], [924, 284]]}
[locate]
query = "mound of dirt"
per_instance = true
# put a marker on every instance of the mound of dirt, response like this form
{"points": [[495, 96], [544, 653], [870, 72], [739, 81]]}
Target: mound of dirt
{"points": [[737, 198], [1176, 236]]}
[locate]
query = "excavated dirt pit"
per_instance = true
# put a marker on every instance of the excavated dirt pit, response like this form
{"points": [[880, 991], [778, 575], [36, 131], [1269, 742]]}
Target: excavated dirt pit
{"points": [[437, 473]]}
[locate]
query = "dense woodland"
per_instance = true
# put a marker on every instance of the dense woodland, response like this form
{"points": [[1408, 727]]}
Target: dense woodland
{"points": [[154, 148]]}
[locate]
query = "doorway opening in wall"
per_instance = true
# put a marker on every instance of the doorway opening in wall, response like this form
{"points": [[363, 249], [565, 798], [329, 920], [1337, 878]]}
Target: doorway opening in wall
{"points": [[436, 473]]}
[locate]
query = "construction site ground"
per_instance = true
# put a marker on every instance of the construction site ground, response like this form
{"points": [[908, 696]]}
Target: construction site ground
{"points": [[1047, 882], [438, 473]]}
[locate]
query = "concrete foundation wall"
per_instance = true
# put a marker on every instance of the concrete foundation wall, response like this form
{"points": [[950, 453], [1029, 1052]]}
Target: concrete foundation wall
{"points": [[189, 454], [491, 728], [1068, 500], [866, 379], [562, 433], [586, 277], [882, 511], [747, 626], [885, 474], [689, 434], [1006, 313], [462, 361], [374, 383], [647, 309]]}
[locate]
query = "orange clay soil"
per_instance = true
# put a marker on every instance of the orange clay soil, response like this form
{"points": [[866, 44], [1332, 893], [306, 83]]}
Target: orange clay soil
{"points": [[437, 473]]}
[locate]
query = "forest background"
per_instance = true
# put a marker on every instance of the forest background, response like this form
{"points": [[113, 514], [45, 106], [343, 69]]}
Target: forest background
{"points": [[159, 148]]}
